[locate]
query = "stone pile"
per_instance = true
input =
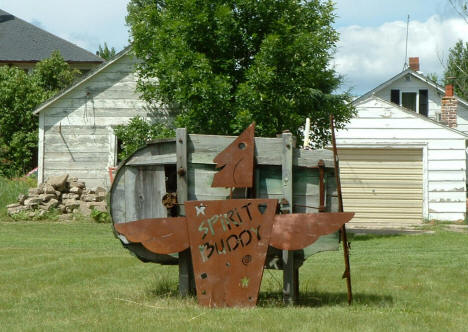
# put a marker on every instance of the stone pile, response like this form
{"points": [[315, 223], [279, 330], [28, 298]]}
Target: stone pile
{"points": [[66, 194]]}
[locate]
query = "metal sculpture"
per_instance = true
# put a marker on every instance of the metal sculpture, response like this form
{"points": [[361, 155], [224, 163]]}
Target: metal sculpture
{"points": [[228, 239], [236, 162]]}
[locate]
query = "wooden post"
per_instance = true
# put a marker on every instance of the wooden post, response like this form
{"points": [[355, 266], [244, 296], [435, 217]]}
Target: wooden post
{"points": [[306, 133], [186, 279], [290, 273]]}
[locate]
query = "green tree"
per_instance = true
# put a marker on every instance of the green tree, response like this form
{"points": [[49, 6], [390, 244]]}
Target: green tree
{"points": [[138, 132], [434, 77], [54, 74], [456, 70], [106, 52], [20, 93], [223, 64]]}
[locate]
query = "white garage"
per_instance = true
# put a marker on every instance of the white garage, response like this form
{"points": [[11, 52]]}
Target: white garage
{"points": [[398, 167], [383, 185]]}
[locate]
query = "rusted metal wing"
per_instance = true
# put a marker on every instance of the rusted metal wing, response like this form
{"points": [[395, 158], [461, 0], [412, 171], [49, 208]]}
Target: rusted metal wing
{"points": [[299, 230], [158, 235], [236, 162], [229, 241]]}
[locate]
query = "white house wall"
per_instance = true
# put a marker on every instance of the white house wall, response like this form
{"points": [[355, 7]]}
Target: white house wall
{"points": [[434, 96], [381, 125], [77, 128], [462, 118], [414, 85]]}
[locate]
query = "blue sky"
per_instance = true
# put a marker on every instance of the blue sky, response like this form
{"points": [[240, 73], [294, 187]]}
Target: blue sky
{"points": [[374, 13], [370, 51]]}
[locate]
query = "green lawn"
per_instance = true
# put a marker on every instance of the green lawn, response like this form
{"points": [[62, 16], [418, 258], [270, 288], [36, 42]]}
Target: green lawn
{"points": [[9, 191], [76, 276]]}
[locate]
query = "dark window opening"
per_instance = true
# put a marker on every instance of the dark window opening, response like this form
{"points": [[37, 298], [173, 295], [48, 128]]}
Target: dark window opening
{"points": [[171, 178], [423, 102], [119, 150], [408, 100], [395, 96], [171, 186]]}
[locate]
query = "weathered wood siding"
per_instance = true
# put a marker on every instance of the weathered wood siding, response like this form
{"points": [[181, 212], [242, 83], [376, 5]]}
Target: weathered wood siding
{"points": [[142, 180], [381, 125], [77, 128]]}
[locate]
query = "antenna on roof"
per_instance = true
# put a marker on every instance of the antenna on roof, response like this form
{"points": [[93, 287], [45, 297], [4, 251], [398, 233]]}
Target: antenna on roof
{"points": [[405, 66]]}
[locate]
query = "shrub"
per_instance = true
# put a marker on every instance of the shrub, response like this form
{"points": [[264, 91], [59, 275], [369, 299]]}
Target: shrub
{"points": [[138, 132], [100, 217]]}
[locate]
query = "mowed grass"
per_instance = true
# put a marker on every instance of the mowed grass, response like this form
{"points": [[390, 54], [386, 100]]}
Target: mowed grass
{"points": [[77, 277]]}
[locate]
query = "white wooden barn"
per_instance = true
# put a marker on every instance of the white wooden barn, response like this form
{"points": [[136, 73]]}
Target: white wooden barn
{"points": [[76, 133], [400, 167]]}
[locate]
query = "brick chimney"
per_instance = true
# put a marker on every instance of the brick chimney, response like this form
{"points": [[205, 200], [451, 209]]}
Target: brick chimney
{"points": [[414, 63], [449, 108]]}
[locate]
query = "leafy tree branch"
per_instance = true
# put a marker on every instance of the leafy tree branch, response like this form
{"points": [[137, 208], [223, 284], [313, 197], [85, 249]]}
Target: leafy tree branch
{"points": [[227, 63], [20, 94]]}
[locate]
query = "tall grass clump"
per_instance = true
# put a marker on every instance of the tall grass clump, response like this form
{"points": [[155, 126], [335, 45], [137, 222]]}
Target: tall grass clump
{"points": [[10, 189]]}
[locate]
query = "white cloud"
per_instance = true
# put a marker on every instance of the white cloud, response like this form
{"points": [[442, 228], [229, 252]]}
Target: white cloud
{"points": [[368, 56]]}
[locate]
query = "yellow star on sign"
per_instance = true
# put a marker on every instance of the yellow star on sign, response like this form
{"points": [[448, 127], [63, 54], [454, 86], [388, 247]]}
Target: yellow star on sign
{"points": [[244, 283]]}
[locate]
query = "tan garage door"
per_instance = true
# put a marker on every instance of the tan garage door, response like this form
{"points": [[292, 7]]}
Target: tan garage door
{"points": [[382, 185]]}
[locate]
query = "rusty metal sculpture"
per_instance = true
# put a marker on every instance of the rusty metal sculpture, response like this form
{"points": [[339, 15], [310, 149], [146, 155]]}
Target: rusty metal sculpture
{"points": [[158, 235], [228, 239], [236, 162]]}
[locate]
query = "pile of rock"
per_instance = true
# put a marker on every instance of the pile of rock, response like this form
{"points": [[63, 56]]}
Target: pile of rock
{"points": [[66, 194]]}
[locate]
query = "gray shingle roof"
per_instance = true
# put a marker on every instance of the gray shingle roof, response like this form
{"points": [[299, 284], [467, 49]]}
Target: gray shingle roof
{"points": [[22, 41]]}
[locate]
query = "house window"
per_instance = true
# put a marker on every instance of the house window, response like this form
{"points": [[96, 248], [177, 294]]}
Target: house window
{"points": [[408, 100], [395, 96], [415, 101], [423, 102]]}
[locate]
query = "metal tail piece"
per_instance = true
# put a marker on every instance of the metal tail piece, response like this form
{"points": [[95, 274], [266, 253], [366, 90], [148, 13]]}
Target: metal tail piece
{"points": [[236, 162], [158, 235], [298, 230]]}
